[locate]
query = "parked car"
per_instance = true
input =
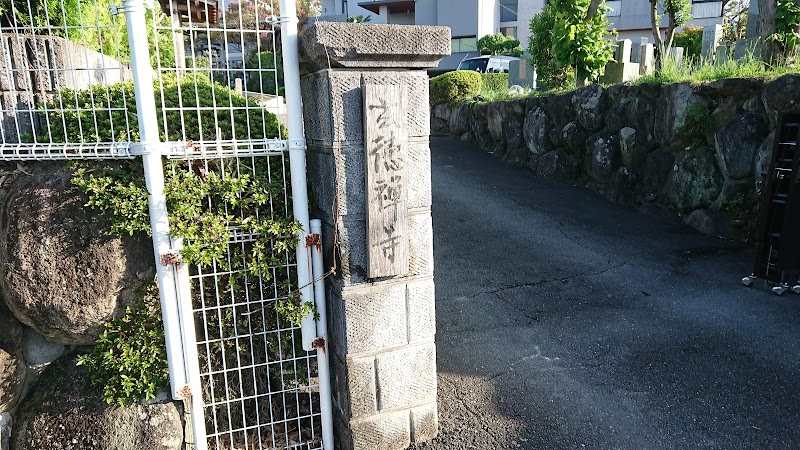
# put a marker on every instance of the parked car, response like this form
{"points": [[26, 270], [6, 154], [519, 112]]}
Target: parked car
{"points": [[487, 64]]}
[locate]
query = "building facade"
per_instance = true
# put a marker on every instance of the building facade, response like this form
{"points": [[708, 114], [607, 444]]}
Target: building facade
{"points": [[469, 20], [631, 18]]}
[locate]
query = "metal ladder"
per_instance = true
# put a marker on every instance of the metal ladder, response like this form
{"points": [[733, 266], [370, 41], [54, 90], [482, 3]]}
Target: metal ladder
{"points": [[778, 252]]}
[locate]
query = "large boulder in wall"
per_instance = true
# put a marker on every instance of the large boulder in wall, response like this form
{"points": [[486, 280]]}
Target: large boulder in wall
{"points": [[589, 106], [781, 96], [460, 119], [64, 273], [603, 158], [737, 144], [536, 129], [12, 364], [671, 112], [557, 165], [64, 410], [504, 121], [695, 181]]}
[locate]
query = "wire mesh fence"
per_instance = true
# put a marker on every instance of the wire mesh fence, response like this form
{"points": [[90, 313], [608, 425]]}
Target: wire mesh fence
{"points": [[67, 92]]}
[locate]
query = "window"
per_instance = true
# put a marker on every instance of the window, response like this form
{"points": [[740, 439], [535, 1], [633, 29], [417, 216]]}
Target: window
{"points": [[509, 31], [508, 10], [464, 44], [615, 6], [344, 7], [477, 64]]}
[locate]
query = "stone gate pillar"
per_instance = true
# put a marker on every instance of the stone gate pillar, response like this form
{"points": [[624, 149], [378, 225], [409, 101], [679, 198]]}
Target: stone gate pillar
{"points": [[366, 113]]}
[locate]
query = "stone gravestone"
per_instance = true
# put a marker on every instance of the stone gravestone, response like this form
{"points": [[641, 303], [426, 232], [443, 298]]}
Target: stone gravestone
{"points": [[712, 34], [623, 53], [636, 50], [520, 73], [367, 125], [623, 69], [744, 47], [752, 30], [647, 59], [722, 54], [676, 53]]}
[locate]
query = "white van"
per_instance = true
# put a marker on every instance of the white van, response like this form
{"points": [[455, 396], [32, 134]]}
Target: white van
{"points": [[487, 64]]}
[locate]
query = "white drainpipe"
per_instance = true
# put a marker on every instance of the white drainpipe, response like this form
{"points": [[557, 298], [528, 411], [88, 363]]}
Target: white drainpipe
{"points": [[184, 382], [311, 289], [318, 272], [297, 161]]}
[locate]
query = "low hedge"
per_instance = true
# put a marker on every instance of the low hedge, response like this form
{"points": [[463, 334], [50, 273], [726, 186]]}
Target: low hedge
{"points": [[108, 113], [455, 86], [495, 82]]}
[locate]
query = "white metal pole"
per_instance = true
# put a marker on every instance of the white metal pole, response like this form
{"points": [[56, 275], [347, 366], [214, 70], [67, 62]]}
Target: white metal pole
{"points": [[154, 179], [318, 272], [169, 285], [297, 160]]}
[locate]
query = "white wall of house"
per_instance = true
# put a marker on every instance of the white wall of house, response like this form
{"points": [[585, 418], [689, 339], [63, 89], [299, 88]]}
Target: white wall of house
{"points": [[633, 20], [407, 18], [526, 10], [349, 8], [488, 17], [426, 12]]}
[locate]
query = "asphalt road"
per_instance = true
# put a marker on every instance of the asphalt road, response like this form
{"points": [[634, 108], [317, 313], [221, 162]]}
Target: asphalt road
{"points": [[565, 321]]}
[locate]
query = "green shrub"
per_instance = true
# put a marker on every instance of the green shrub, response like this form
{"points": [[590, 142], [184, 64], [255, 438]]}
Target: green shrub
{"points": [[263, 75], [581, 42], [206, 200], [697, 123], [107, 113], [129, 360], [691, 39], [499, 44], [200, 68], [787, 20], [455, 86], [743, 210], [494, 82]]}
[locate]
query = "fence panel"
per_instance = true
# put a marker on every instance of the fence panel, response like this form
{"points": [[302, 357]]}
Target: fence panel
{"points": [[196, 90]]}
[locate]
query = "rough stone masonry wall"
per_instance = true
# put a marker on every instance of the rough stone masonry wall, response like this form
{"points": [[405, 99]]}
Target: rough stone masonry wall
{"points": [[62, 276], [694, 151], [34, 67], [383, 358]]}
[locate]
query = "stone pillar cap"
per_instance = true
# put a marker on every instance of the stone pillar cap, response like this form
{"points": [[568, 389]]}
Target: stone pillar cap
{"points": [[357, 45]]}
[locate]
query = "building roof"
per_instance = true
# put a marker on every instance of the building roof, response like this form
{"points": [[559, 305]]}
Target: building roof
{"points": [[395, 6], [195, 11]]}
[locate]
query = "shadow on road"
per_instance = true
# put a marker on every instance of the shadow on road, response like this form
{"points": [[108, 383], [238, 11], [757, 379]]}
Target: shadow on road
{"points": [[565, 321]]}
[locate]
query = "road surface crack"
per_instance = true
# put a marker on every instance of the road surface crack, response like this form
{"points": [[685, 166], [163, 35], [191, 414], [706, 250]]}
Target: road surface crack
{"points": [[553, 280]]}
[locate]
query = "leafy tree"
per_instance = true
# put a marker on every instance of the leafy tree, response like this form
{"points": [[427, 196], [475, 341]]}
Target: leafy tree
{"points": [[540, 46], [679, 12], [734, 24], [579, 37], [787, 28], [691, 39], [499, 44]]}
